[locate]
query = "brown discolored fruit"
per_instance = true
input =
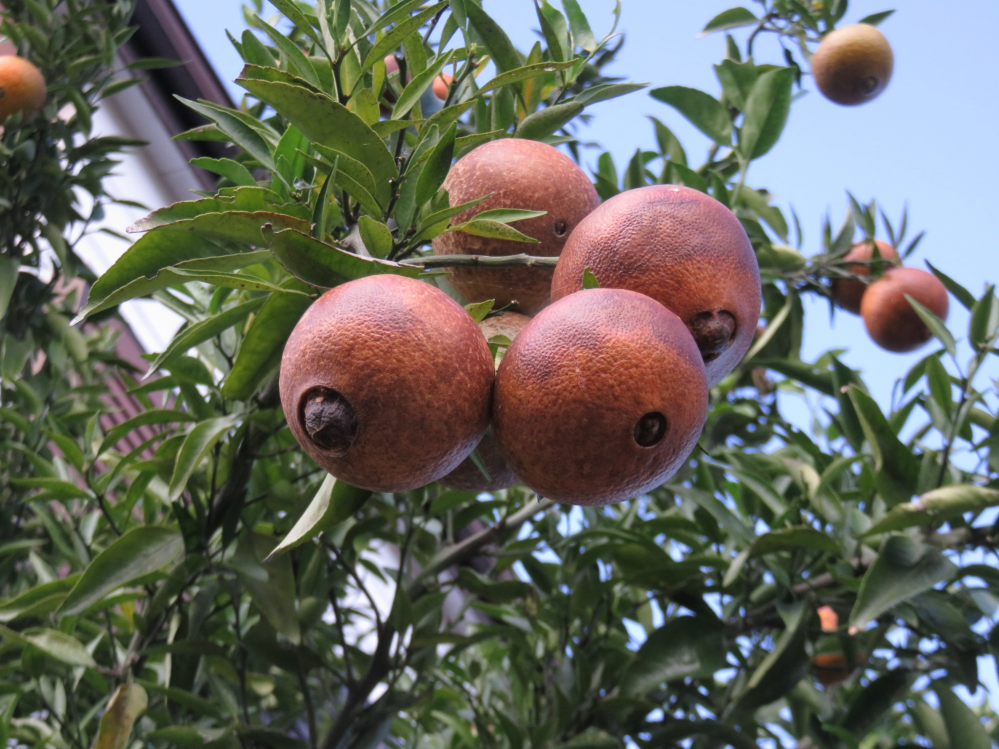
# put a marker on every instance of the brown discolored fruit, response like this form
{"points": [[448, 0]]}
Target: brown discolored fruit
{"points": [[386, 383], [831, 669], [685, 250], [853, 64], [847, 292], [600, 398], [467, 477], [524, 174], [22, 87], [891, 321]]}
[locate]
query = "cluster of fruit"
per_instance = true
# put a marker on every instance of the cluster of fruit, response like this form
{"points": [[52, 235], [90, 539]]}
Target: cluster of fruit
{"points": [[389, 384]]}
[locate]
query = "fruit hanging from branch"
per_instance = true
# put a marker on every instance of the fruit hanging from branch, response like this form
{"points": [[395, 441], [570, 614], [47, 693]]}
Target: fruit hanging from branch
{"points": [[853, 64], [891, 321], [22, 87], [848, 292]]}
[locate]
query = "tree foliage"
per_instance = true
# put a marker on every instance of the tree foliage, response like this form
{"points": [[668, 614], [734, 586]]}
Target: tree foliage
{"points": [[148, 585]]}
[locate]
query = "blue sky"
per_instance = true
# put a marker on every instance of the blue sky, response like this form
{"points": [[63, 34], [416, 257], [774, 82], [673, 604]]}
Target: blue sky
{"points": [[925, 142]]}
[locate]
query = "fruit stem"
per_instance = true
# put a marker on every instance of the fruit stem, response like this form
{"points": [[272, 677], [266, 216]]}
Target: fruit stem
{"points": [[445, 261]]}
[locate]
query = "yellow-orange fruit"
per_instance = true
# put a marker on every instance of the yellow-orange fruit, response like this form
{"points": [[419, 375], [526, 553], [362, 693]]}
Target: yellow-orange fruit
{"points": [[891, 321], [441, 85], [524, 174], [600, 398], [828, 618], [386, 383], [847, 292], [22, 87], [853, 64], [467, 477], [685, 250]]}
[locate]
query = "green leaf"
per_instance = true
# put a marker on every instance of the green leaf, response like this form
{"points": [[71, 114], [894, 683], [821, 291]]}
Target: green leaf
{"points": [[271, 586], [524, 73], [323, 265], [260, 351], [964, 728], [54, 487], [351, 175], [377, 237], [685, 647], [898, 468], [492, 230], [479, 310], [767, 109], [54, 643], [554, 29], [876, 18], [904, 568], [438, 164], [544, 122], [419, 84], [590, 279], [394, 38], [140, 552], [703, 111], [984, 319], [790, 539], [242, 199], [232, 124], [937, 506], [501, 49], [965, 297], [605, 91], [936, 326], [146, 418], [784, 666], [290, 51], [730, 19], [196, 445], [231, 170], [8, 279], [203, 331], [327, 122], [582, 35], [126, 704], [334, 502]]}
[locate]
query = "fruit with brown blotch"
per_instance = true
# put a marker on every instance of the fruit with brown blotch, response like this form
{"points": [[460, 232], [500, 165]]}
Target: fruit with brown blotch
{"points": [[600, 398], [22, 87], [891, 321], [386, 382], [685, 250], [516, 173], [467, 477], [853, 64], [848, 292]]}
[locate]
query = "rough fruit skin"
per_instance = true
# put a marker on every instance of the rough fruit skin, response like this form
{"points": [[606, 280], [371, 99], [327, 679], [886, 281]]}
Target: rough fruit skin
{"points": [[519, 174], [682, 248], [467, 477], [853, 64], [22, 87], [412, 364], [890, 320], [847, 292], [578, 380]]}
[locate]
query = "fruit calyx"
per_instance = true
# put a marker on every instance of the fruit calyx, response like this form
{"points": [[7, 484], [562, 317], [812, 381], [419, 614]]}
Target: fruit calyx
{"points": [[713, 331], [650, 429], [329, 420]]}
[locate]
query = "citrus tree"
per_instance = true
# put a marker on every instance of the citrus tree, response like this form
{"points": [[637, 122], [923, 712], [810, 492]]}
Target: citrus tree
{"points": [[821, 586]]}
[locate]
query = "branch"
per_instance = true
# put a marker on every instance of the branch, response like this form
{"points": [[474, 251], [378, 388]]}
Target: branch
{"points": [[499, 261]]}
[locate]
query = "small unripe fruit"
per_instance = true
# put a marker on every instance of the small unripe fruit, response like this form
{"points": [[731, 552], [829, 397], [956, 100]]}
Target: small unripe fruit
{"points": [[600, 398], [853, 64], [685, 250], [848, 292], [22, 87], [524, 174], [891, 321], [386, 383], [441, 85]]}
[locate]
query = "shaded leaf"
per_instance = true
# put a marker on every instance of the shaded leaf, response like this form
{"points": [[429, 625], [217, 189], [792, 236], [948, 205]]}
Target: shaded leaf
{"points": [[115, 728], [195, 447], [688, 646], [334, 502]]}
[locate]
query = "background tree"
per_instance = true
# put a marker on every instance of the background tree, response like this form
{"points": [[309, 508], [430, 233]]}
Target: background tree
{"points": [[509, 621]]}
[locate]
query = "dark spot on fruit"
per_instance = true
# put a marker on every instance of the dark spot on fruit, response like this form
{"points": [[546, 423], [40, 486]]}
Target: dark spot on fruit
{"points": [[329, 420], [650, 429], [869, 84], [560, 228], [713, 332]]}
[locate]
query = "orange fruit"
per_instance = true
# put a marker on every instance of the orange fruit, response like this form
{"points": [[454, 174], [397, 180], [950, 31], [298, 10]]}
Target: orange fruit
{"points": [[831, 669], [441, 85], [600, 398], [467, 477], [828, 618], [891, 321], [847, 292], [853, 64], [22, 87], [524, 174], [685, 250], [386, 383]]}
